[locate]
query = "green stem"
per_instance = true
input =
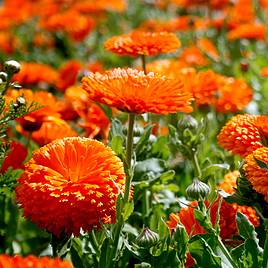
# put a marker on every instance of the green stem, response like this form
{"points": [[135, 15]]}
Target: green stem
{"points": [[143, 59], [196, 165], [131, 120], [94, 242], [146, 205], [265, 252], [226, 253]]}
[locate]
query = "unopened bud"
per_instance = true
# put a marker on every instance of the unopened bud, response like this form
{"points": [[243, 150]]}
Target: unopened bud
{"points": [[188, 122], [147, 238], [198, 190], [12, 66]]}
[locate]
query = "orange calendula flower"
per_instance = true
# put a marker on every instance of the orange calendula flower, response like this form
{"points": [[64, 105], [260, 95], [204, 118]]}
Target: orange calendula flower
{"points": [[248, 31], [264, 71], [52, 128], [132, 91], [233, 95], [257, 175], [32, 73], [15, 157], [143, 43], [228, 185], [71, 184], [193, 56], [241, 135], [68, 74], [47, 102], [32, 262], [208, 47], [76, 25]]}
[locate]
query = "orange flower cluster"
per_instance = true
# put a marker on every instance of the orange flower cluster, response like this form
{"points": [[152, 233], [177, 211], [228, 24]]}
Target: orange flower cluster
{"points": [[32, 262], [132, 91], [71, 184], [35, 73], [143, 43], [243, 134], [257, 174]]}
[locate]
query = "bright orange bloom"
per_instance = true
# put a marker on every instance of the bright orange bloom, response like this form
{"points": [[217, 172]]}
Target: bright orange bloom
{"points": [[248, 31], [264, 71], [71, 184], [51, 129], [92, 6], [34, 120], [132, 91], [68, 74], [15, 157], [257, 176], [32, 73], [143, 43], [208, 47], [243, 134], [76, 25], [8, 42], [228, 185], [233, 95], [32, 262], [168, 67], [95, 122], [193, 56]]}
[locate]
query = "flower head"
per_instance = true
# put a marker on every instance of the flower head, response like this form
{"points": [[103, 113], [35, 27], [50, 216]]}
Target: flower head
{"points": [[32, 262], [143, 43], [131, 90], [34, 73], [241, 135], [70, 184], [255, 173]]}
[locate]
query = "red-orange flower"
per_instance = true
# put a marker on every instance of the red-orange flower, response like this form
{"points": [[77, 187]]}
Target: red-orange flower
{"points": [[193, 56], [71, 184], [257, 175], [143, 43], [32, 262], [52, 128], [132, 91], [68, 74], [248, 31], [241, 135], [233, 95], [34, 73], [15, 157], [208, 47], [76, 25], [33, 121]]}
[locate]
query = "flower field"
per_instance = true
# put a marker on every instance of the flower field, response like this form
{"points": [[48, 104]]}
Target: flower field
{"points": [[134, 134]]}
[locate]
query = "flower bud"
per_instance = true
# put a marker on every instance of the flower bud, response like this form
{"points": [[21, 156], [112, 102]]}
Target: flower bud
{"points": [[12, 66], [198, 190], [147, 238], [188, 122], [3, 76]]}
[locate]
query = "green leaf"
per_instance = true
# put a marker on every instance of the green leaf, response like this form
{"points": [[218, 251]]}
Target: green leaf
{"points": [[116, 129], [117, 145], [143, 265], [103, 256], [167, 176], [204, 255], [143, 141], [77, 253], [261, 164], [129, 207]]}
